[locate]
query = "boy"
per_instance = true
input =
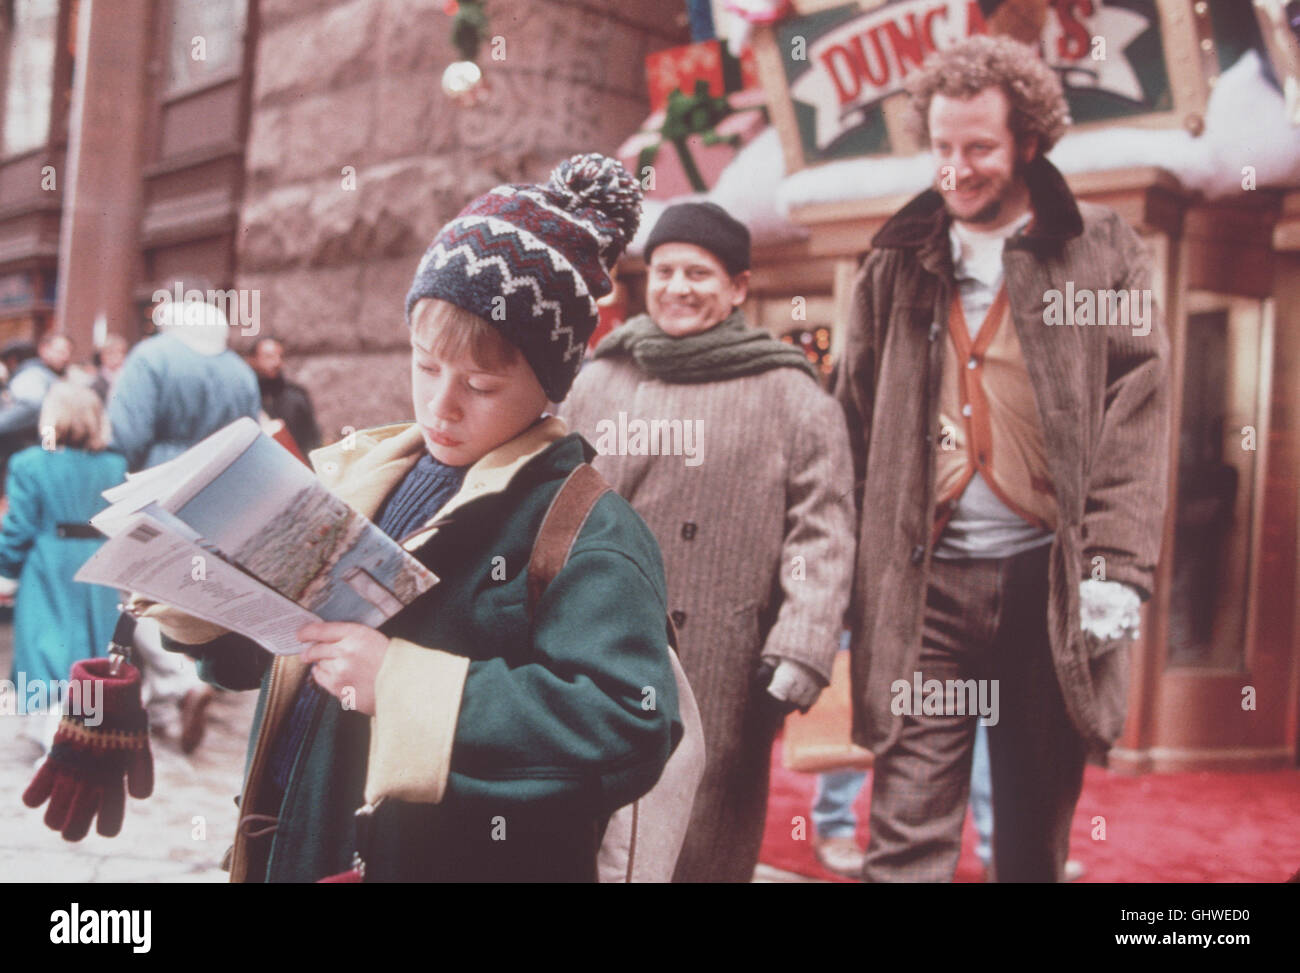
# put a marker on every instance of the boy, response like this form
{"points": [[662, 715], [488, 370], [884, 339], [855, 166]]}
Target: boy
{"points": [[500, 741]]}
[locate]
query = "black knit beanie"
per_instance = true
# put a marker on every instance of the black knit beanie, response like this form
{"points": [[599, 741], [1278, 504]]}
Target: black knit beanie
{"points": [[533, 260], [706, 225]]}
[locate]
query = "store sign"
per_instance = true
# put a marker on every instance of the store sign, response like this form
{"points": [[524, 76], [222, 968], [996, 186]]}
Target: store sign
{"points": [[841, 64]]}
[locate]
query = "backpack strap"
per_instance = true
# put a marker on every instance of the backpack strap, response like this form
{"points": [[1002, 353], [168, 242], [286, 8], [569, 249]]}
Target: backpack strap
{"points": [[560, 528]]}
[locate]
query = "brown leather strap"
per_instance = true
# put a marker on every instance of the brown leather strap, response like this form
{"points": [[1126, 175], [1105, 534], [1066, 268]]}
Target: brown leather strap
{"points": [[560, 528], [258, 825]]}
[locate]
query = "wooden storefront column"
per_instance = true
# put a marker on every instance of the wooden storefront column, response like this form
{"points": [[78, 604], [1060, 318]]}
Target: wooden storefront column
{"points": [[1279, 576], [1149, 654]]}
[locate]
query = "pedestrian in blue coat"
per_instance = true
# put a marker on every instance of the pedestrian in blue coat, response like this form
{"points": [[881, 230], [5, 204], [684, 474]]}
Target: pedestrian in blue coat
{"points": [[53, 490], [180, 386], [176, 389]]}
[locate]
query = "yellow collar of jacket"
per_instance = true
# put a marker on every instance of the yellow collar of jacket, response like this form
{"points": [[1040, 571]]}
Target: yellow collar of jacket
{"points": [[365, 468]]}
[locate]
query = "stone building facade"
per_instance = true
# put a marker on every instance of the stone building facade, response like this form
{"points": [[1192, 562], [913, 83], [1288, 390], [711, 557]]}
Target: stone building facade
{"points": [[355, 159], [303, 149]]}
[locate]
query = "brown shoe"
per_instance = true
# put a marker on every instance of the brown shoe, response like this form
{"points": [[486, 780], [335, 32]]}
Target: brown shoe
{"points": [[840, 855], [194, 717]]}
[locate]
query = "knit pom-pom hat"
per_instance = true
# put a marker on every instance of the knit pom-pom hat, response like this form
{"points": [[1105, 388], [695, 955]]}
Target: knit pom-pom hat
{"points": [[533, 260]]}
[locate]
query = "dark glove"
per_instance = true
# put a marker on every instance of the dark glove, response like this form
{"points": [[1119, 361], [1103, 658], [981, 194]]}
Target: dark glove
{"points": [[83, 774]]}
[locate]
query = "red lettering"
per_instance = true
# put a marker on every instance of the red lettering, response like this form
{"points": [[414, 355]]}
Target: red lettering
{"points": [[841, 87], [975, 19], [907, 48], [1075, 40], [927, 26], [881, 79]]}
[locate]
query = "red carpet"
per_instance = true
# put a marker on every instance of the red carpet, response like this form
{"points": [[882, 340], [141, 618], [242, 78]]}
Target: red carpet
{"points": [[1191, 827]]}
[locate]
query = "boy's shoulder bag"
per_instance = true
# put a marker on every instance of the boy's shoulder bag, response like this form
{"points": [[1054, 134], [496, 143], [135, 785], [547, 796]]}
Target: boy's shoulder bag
{"points": [[642, 839]]}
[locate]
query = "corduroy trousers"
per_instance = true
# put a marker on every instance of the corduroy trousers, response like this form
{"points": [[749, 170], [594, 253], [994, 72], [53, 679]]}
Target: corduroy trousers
{"points": [[985, 620]]}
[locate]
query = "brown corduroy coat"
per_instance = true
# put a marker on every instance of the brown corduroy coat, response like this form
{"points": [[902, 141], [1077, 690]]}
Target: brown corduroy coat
{"points": [[1103, 401], [757, 541]]}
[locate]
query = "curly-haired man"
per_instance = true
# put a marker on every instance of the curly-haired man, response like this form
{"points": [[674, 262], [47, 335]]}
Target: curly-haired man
{"points": [[1011, 457]]}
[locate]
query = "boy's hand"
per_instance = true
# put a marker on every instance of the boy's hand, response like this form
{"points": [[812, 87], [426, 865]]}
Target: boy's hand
{"points": [[346, 658]]}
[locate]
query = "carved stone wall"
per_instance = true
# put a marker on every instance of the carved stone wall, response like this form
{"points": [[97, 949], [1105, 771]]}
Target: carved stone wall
{"points": [[355, 159]]}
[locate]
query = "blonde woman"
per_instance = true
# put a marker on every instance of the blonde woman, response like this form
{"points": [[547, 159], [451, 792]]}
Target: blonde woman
{"points": [[53, 490]]}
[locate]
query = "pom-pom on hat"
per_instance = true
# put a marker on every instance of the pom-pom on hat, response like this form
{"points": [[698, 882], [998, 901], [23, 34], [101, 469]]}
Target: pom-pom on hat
{"points": [[533, 260]]}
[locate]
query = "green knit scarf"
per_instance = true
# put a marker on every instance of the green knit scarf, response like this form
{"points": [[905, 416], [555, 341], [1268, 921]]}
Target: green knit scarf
{"points": [[729, 349]]}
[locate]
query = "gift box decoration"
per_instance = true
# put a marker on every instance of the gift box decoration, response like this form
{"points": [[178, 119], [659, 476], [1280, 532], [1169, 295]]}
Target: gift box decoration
{"points": [[680, 68], [686, 147]]}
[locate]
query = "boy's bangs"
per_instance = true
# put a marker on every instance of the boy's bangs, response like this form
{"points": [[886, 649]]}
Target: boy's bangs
{"points": [[449, 333]]}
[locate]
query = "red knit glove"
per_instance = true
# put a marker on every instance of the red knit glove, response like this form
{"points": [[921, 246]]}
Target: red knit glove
{"points": [[83, 773]]}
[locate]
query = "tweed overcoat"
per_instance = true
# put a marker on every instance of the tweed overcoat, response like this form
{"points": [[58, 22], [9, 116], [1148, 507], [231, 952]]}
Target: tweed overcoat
{"points": [[757, 540], [1103, 401]]}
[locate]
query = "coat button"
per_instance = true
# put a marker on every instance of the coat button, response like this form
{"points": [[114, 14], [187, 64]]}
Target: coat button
{"points": [[679, 618], [972, 363], [934, 331], [918, 554], [966, 410], [688, 531], [929, 439]]}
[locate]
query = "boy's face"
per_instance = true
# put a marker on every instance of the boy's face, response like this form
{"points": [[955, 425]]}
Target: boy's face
{"points": [[464, 410]]}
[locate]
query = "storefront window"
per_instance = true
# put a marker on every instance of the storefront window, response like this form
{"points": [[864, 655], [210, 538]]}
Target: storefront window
{"points": [[207, 42], [1219, 445], [815, 343], [801, 320], [30, 85]]}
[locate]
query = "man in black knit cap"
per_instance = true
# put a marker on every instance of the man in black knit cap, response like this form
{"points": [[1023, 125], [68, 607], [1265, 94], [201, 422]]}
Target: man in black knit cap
{"points": [[722, 440]]}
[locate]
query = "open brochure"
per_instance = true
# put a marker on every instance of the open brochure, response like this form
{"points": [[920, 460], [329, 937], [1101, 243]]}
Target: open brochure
{"points": [[238, 532]]}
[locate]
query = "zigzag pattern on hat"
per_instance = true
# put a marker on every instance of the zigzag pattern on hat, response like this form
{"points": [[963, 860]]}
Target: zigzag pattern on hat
{"points": [[546, 252], [555, 228], [502, 233], [476, 242], [605, 236], [503, 237]]}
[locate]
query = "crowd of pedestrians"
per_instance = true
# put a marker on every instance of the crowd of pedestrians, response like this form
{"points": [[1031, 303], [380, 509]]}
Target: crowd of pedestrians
{"points": [[68, 431]]}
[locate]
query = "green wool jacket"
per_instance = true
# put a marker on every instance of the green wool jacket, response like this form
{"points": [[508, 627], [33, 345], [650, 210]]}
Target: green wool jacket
{"points": [[500, 743]]}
